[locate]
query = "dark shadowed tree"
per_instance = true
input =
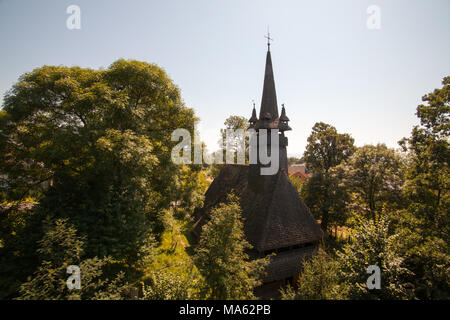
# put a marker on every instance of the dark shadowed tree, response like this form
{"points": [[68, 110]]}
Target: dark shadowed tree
{"points": [[326, 149], [62, 247]]}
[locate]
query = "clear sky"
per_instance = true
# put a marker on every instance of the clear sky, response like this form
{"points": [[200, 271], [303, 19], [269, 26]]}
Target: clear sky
{"points": [[328, 65]]}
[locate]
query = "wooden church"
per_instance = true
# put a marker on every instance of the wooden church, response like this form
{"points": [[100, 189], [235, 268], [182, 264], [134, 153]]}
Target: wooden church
{"points": [[276, 220]]}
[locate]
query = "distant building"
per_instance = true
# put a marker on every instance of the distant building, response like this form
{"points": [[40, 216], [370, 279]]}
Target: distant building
{"points": [[276, 220], [298, 170]]}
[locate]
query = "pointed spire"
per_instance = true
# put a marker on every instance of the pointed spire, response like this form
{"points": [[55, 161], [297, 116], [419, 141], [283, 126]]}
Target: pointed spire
{"points": [[283, 116], [269, 107], [253, 119], [283, 125]]}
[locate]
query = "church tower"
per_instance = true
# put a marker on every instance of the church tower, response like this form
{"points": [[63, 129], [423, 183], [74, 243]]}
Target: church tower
{"points": [[269, 118], [276, 219]]}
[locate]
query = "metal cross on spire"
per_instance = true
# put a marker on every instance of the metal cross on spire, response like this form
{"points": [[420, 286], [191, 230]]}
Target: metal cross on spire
{"points": [[268, 39]]}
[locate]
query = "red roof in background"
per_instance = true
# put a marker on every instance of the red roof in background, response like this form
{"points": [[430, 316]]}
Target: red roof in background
{"points": [[300, 175]]}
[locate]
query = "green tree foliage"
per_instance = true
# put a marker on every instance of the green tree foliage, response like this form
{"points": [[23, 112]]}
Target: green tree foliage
{"points": [[236, 143], [407, 237], [319, 280], [221, 256], [373, 244], [298, 183], [59, 248], [234, 123], [102, 140], [326, 149], [328, 196], [424, 226], [189, 192], [426, 254], [104, 129], [428, 175], [165, 285], [345, 275], [374, 174], [20, 232]]}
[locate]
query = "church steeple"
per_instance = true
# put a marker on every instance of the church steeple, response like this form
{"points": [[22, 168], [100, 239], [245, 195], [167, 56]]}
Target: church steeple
{"points": [[269, 106], [253, 119], [268, 114], [274, 215]]}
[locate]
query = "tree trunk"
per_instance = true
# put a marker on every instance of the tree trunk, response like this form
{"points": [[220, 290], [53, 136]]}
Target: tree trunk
{"points": [[324, 222]]}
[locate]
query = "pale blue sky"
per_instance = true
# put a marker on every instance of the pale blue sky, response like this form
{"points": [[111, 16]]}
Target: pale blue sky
{"points": [[328, 66]]}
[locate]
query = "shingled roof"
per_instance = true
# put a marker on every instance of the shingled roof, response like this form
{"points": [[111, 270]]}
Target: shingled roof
{"points": [[289, 263], [274, 214]]}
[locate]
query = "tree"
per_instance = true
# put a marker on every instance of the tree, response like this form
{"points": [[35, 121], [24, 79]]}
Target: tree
{"points": [[428, 175], [189, 192], [373, 244], [236, 143], [424, 226], [166, 285], [102, 141], [328, 193], [374, 174], [325, 150], [319, 280], [59, 248], [298, 183], [221, 256], [425, 253]]}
